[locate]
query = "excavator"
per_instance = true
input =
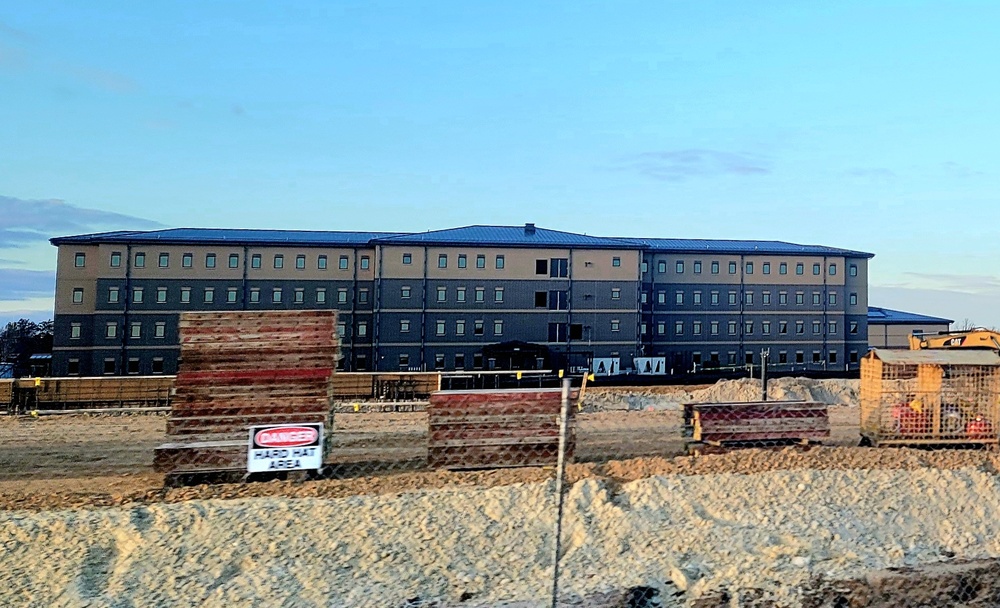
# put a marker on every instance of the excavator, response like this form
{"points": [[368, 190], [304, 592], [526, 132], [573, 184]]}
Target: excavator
{"points": [[972, 338]]}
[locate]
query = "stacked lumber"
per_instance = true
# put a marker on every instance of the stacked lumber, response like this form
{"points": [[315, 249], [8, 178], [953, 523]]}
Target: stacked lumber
{"points": [[758, 421], [243, 369], [6, 393], [104, 392], [500, 428]]}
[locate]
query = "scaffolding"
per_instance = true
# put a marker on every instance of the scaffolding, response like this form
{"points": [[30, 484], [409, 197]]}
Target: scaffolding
{"points": [[930, 397]]}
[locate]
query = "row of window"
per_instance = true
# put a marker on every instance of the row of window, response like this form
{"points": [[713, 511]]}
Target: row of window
{"points": [[208, 295], [782, 359], [111, 366], [696, 327], [748, 298], [748, 268], [211, 261]]}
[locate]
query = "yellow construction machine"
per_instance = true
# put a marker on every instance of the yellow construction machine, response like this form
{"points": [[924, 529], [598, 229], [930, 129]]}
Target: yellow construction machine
{"points": [[972, 338]]}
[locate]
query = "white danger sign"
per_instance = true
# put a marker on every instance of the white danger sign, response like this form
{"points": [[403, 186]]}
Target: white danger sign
{"points": [[285, 447]]}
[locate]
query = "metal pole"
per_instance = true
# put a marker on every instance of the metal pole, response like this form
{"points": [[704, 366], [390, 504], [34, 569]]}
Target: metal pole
{"points": [[560, 474], [765, 354]]}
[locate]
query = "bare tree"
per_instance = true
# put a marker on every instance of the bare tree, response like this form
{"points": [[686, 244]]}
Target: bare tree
{"points": [[23, 338]]}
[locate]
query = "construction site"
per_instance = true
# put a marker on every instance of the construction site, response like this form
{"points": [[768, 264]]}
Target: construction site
{"points": [[438, 490]]}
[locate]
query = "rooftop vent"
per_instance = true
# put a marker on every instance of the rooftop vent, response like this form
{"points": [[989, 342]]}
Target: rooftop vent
{"points": [[529, 230]]}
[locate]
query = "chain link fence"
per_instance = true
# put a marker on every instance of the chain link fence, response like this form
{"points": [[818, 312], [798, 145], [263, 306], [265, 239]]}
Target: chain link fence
{"points": [[506, 489]]}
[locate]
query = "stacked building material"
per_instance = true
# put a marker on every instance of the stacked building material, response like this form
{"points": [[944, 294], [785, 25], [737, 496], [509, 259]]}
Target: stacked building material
{"points": [[757, 421], [500, 428], [244, 369]]}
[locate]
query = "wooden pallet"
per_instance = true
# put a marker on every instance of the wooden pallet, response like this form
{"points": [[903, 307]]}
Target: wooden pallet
{"points": [[757, 422], [490, 429]]}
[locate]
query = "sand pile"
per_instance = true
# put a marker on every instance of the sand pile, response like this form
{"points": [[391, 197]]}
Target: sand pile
{"points": [[830, 391], [697, 534]]}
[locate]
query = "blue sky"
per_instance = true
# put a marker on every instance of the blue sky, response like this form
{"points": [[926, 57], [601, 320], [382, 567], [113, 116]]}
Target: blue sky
{"points": [[868, 125]]}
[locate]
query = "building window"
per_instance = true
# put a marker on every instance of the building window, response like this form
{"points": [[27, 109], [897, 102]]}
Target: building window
{"points": [[498, 294], [187, 260], [404, 326], [853, 299], [344, 262], [853, 270], [732, 328], [300, 262], [800, 327], [765, 268], [137, 295], [185, 295], [74, 331], [279, 261], [321, 262], [463, 261], [541, 267], [679, 298], [645, 267], [480, 294], [234, 260], [616, 294], [749, 267], [460, 327], [159, 329], [678, 328], [140, 260], [800, 268], [442, 294], [661, 297], [783, 357], [732, 267], [616, 262], [135, 330], [854, 356], [783, 268], [363, 296], [365, 262], [661, 266], [833, 327], [443, 260], [715, 267], [164, 260], [439, 328], [161, 295], [500, 262], [459, 361], [255, 261], [407, 258], [731, 357], [209, 295], [643, 297], [696, 328], [542, 299], [817, 298], [342, 296], [210, 260], [854, 328], [832, 356], [816, 356], [765, 298], [800, 298], [643, 329], [817, 269], [697, 267], [341, 329], [696, 298], [732, 298], [559, 268], [782, 298], [713, 328], [765, 327], [404, 360], [362, 329], [478, 328], [833, 298], [817, 327], [109, 366], [748, 298], [254, 295], [404, 292], [116, 259], [439, 361], [616, 325], [480, 261], [299, 296], [679, 267], [833, 272], [231, 295], [661, 328], [110, 330], [460, 294], [782, 327], [800, 357], [276, 295], [78, 295], [320, 295], [714, 298]]}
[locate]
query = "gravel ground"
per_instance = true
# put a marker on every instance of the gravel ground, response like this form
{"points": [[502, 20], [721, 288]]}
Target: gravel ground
{"points": [[769, 532]]}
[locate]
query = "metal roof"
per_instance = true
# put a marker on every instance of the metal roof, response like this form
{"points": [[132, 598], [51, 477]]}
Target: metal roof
{"points": [[510, 236], [887, 316], [747, 247], [939, 356], [497, 236], [314, 238]]}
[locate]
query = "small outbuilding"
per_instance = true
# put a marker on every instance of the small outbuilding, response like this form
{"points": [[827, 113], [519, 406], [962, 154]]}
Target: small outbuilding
{"points": [[889, 328]]}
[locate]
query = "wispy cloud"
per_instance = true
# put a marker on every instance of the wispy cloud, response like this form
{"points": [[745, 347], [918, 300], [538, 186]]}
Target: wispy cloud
{"points": [[871, 172], [677, 165], [953, 169], [21, 284], [979, 284], [27, 222]]}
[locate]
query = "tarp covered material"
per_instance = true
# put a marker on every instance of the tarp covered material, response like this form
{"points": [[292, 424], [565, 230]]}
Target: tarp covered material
{"points": [[936, 357]]}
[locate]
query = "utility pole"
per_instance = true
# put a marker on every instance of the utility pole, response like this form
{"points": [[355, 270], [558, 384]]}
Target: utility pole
{"points": [[765, 354]]}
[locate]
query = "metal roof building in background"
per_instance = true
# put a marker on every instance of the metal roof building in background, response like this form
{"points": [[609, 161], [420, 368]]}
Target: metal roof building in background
{"points": [[528, 236], [887, 316]]}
